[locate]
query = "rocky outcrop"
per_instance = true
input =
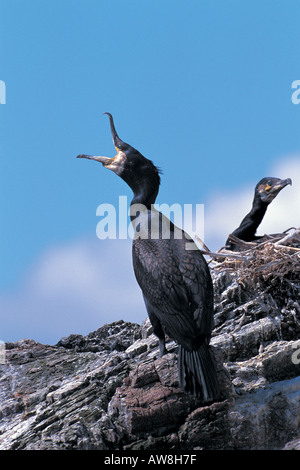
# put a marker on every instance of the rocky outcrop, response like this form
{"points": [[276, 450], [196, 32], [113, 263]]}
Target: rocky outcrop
{"points": [[109, 390]]}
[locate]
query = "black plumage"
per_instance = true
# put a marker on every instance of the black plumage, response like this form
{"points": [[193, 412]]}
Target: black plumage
{"points": [[265, 192], [171, 272]]}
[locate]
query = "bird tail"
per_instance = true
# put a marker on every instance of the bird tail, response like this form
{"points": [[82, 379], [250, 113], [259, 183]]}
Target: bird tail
{"points": [[197, 373]]}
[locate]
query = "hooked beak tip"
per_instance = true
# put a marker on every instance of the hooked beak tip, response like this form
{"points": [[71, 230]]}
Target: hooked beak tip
{"points": [[286, 182]]}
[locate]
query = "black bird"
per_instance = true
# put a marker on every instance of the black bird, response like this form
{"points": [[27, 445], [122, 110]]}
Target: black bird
{"points": [[265, 191], [175, 281]]}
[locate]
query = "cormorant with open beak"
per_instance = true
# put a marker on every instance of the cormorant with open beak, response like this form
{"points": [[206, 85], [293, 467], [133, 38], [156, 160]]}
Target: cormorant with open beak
{"points": [[175, 281], [265, 191]]}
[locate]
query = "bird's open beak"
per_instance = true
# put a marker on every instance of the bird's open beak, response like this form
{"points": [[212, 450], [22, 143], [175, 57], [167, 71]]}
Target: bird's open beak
{"points": [[103, 160], [118, 143]]}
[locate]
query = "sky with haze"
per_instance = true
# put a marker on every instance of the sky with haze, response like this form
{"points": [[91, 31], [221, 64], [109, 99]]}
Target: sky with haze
{"points": [[201, 87]]}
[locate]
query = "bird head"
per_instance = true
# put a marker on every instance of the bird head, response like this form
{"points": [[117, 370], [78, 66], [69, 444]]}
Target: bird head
{"points": [[136, 170], [268, 188]]}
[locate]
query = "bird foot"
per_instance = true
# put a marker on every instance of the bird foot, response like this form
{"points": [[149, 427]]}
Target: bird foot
{"points": [[162, 349]]}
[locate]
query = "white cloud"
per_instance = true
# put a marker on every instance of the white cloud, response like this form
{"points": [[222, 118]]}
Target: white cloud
{"points": [[73, 288], [224, 212]]}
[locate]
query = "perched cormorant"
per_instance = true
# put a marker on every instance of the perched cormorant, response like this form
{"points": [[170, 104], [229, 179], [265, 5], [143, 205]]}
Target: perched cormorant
{"points": [[175, 281], [265, 191]]}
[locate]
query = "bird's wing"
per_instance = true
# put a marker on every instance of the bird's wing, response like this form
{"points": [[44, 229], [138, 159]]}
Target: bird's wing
{"points": [[177, 284], [198, 282]]}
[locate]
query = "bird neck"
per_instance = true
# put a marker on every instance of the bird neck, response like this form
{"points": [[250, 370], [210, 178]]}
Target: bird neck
{"points": [[247, 229], [258, 211], [139, 205], [143, 178], [140, 199], [144, 193]]}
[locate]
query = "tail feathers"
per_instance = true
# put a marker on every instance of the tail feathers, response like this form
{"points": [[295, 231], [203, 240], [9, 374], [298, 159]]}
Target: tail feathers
{"points": [[197, 373]]}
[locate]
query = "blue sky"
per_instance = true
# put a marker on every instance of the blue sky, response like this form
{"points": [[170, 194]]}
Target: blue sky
{"points": [[203, 88]]}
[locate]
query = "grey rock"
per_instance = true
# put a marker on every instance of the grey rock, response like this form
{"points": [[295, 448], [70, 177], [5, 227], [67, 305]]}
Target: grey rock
{"points": [[109, 390]]}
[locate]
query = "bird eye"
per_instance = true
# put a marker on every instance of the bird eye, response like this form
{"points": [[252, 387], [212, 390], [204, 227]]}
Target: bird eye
{"points": [[268, 185]]}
